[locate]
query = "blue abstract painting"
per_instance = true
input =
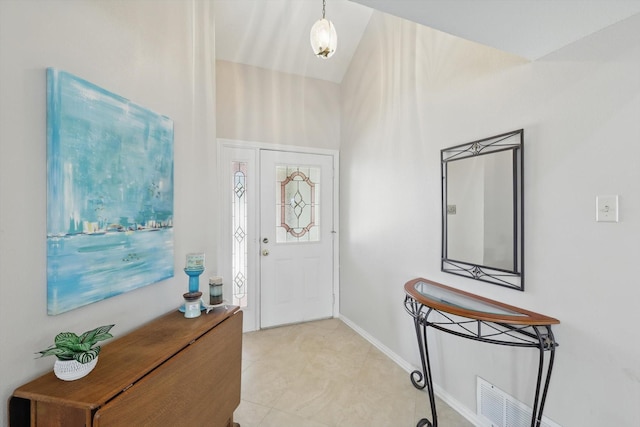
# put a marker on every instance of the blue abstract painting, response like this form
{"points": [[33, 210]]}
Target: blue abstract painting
{"points": [[109, 194]]}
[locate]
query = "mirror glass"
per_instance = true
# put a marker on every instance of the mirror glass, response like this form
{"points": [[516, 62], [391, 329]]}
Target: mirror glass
{"points": [[482, 210]]}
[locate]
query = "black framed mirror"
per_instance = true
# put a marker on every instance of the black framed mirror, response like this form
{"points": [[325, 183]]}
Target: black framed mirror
{"points": [[483, 209]]}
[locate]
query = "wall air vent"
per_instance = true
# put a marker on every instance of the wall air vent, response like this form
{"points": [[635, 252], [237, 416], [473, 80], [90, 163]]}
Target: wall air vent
{"points": [[498, 409]]}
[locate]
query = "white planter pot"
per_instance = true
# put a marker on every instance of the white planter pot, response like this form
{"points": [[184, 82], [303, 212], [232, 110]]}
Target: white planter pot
{"points": [[69, 370]]}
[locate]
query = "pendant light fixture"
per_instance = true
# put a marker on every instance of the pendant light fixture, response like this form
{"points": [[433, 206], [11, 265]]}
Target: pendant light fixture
{"points": [[324, 38]]}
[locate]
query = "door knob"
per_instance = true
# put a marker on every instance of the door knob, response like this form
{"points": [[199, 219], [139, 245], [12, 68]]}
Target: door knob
{"points": [[265, 252]]}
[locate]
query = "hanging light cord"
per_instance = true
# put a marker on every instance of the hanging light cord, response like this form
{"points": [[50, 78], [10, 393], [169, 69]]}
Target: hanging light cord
{"points": [[323, 6]]}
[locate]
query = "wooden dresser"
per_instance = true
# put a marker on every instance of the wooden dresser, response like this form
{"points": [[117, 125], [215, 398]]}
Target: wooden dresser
{"points": [[171, 371]]}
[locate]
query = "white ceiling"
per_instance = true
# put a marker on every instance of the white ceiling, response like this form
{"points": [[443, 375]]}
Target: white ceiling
{"points": [[274, 34], [528, 28]]}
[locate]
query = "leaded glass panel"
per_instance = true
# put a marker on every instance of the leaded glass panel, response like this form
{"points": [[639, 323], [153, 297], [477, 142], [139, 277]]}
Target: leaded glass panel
{"points": [[239, 229], [297, 204]]}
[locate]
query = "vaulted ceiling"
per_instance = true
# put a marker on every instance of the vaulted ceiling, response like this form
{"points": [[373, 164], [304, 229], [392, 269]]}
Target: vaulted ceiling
{"points": [[274, 34]]}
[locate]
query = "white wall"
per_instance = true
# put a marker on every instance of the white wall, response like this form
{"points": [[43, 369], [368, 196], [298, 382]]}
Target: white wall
{"points": [[157, 54], [259, 105], [411, 91]]}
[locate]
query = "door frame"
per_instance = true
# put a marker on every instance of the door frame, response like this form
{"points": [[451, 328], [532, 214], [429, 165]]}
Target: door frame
{"points": [[224, 257]]}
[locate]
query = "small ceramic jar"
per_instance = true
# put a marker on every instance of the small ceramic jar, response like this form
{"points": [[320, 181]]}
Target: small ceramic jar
{"points": [[192, 304]]}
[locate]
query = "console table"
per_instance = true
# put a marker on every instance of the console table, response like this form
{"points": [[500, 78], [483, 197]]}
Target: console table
{"points": [[474, 317], [172, 371]]}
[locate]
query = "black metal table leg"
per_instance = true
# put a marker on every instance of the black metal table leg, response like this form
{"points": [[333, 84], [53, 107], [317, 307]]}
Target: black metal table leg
{"points": [[546, 343], [417, 376], [425, 375]]}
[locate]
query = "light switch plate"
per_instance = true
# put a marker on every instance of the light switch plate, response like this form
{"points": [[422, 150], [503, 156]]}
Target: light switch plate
{"points": [[607, 208]]}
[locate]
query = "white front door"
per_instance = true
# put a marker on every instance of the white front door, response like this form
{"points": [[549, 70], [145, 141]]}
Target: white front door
{"points": [[296, 237]]}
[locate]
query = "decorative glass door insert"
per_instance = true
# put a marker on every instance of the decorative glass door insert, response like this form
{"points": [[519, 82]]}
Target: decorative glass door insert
{"points": [[239, 228], [297, 204]]}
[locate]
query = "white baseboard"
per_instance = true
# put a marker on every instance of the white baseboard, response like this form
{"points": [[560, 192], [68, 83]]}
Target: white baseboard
{"points": [[442, 394]]}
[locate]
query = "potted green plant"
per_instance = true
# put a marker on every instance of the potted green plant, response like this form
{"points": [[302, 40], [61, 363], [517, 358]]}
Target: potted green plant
{"points": [[76, 355]]}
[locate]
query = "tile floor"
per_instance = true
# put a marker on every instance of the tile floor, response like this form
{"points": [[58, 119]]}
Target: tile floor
{"points": [[323, 374]]}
